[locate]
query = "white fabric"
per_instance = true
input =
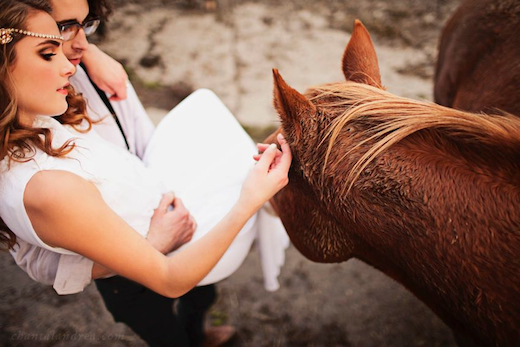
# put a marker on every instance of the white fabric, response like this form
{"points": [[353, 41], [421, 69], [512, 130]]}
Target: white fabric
{"points": [[68, 280], [68, 274], [208, 156], [207, 185], [272, 241], [29, 257], [132, 191], [47, 267], [136, 124]]}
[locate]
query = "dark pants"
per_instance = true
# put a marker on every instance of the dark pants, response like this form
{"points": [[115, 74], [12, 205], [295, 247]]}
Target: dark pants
{"points": [[151, 315]]}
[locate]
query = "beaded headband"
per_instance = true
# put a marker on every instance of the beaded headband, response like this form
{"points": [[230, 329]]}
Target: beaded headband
{"points": [[6, 35]]}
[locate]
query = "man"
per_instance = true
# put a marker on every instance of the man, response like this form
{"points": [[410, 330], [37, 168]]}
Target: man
{"points": [[124, 122]]}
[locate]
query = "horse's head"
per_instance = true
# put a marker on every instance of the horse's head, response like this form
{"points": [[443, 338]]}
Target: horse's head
{"points": [[425, 193], [307, 205], [367, 163]]}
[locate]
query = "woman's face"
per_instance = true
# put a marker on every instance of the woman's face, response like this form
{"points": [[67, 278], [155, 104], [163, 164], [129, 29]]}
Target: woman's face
{"points": [[40, 71]]}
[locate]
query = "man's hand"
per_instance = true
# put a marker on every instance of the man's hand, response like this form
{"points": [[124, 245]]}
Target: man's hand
{"points": [[170, 229], [107, 73]]}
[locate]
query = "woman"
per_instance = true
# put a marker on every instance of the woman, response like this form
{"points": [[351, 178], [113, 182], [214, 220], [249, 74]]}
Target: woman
{"points": [[66, 191]]}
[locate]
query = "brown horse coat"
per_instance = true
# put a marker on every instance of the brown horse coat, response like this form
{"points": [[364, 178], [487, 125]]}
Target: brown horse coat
{"points": [[427, 194], [478, 67]]}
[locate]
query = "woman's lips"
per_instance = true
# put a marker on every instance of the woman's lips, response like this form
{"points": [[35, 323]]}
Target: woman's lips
{"points": [[75, 61], [63, 89]]}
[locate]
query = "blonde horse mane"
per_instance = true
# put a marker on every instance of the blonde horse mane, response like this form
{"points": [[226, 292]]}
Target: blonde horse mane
{"points": [[392, 118]]}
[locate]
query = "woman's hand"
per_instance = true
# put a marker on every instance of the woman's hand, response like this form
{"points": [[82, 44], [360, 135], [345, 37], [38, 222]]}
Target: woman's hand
{"points": [[107, 73], [268, 176]]}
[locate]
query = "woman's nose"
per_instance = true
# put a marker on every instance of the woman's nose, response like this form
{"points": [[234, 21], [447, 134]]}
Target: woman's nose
{"points": [[68, 69]]}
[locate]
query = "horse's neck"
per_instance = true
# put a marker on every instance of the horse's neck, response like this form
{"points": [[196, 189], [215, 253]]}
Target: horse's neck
{"points": [[439, 230], [414, 283], [407, 203]]}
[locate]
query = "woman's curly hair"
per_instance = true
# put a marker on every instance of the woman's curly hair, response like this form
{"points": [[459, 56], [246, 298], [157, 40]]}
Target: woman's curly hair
{"points": [[18, 141]]}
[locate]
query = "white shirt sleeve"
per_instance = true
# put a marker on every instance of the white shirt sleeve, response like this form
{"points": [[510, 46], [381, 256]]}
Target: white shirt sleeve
{"points": [[39, 263], [141, 128], [73, 275], [68, 274], [137, 126]]}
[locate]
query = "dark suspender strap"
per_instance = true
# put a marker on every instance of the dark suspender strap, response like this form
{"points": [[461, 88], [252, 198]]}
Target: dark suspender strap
{"points": [[103, 97]]}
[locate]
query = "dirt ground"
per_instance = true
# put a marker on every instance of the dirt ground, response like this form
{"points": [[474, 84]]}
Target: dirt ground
{"points": [[171, 48]]}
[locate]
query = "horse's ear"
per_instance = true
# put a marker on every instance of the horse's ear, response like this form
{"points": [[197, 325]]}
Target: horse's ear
{"points": [[291, 105], [360, 59]]}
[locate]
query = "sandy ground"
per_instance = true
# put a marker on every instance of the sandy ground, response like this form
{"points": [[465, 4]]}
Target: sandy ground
{"points": [[171, 49], [233, 52]]}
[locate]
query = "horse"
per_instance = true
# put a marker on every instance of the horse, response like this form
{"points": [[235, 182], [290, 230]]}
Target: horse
{"points": [[478, 65], [427, 194]]}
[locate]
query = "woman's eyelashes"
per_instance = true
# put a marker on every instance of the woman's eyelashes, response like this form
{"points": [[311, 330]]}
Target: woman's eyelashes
{"points": [[46, 55], [48, 52]]}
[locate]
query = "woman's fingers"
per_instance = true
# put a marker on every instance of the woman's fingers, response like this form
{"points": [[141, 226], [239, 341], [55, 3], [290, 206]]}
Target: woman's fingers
{"points": [[285, 160], [269, 174], [285, 154], [267, 157], [262, 146], [261, 149]]}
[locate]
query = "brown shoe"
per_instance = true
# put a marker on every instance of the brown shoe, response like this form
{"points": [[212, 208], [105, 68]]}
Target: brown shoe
{"points": [[217, 336]]}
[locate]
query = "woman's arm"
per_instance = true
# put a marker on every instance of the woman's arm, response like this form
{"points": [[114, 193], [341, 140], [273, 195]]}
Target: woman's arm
{"points": [[86, 225], [169, 229]]}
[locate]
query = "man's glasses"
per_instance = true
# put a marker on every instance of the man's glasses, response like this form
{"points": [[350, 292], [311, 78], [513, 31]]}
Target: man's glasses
{"points": [[70, 29]]}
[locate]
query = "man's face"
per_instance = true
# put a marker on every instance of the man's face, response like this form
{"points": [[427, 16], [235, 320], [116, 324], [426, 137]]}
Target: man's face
{"points": [[72, 10]]}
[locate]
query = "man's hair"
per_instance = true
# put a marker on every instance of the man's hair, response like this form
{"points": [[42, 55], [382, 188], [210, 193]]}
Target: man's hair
{"points": [[100, 8], [103, 10]]}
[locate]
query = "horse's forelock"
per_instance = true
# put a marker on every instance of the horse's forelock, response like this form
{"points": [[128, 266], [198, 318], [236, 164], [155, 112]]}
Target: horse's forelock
{"points": [[388, 119]]}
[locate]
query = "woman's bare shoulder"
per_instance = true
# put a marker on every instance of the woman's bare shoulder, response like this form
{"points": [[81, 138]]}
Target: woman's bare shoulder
{"points": [[58, 203], [54, 188]]}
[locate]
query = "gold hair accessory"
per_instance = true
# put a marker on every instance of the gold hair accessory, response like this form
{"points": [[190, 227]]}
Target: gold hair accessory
{"points": [[6, 35]]}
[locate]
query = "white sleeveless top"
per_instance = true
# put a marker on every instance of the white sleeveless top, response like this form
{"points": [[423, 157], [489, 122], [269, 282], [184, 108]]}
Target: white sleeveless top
{"points": [[199, 151], [131, 190]]}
